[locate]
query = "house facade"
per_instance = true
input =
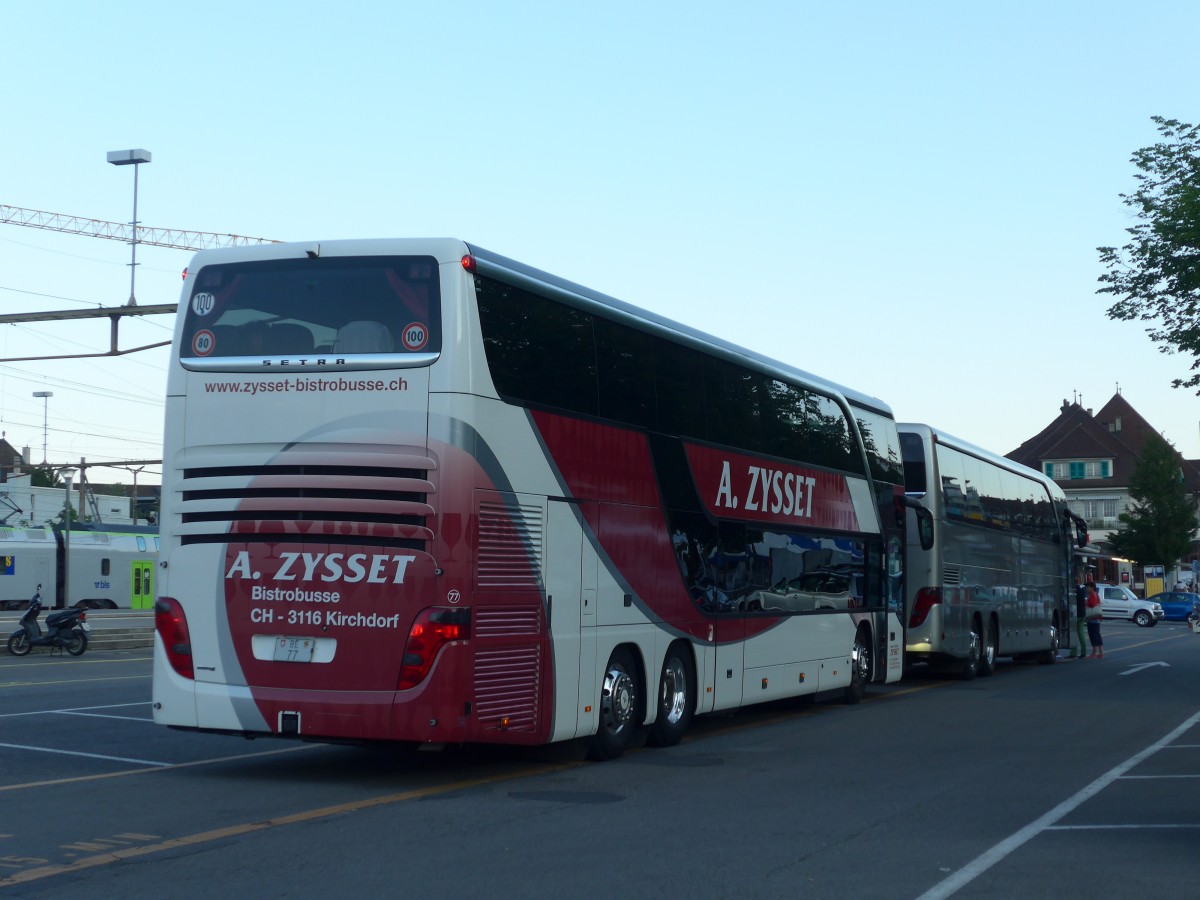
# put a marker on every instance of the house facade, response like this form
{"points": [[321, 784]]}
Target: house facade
{"points": [[1092, 457]]}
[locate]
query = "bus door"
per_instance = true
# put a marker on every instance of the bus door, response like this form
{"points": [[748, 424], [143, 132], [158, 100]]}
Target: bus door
{"points": [[570, 574], [141, 585], [889, 649]]}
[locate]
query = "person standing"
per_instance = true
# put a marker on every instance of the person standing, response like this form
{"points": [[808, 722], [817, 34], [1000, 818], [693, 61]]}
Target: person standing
{"points": [[1093, 622], [1079, 651]]}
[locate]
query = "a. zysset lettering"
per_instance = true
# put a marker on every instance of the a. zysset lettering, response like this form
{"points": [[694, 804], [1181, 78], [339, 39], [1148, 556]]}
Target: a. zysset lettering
{"points": [[771, 491], [373, 568]]}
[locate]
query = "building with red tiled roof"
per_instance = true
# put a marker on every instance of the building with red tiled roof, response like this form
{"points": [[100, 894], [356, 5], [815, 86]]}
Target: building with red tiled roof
{"points": [[1092, 458]]}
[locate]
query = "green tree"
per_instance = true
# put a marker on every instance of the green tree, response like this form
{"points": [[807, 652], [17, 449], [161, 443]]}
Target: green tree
{"points": [[1156, 276], [1158, 526], [44, 476]]}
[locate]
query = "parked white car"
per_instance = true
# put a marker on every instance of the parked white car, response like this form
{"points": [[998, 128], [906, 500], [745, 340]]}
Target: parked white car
{"points": [[1119, 602]]}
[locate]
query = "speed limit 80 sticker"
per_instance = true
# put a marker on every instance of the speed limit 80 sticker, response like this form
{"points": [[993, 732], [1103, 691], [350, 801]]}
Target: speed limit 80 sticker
{"points": [[203, 342]]}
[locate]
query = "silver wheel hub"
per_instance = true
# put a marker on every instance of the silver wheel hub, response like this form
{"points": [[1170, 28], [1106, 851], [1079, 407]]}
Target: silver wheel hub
{"points": [[862, 660], [674, 691], [619, 695]]}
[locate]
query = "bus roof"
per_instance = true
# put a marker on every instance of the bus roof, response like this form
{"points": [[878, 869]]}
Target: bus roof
{"points": [[511, 270], [503, 268], [941, 437]]}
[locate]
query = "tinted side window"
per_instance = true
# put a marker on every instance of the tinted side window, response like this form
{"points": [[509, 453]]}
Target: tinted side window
{"points": [[733, 418], [625, 368], [538, 351], [913, 449], [950, 469], [543, 352], [882, 443], [679, 386]]}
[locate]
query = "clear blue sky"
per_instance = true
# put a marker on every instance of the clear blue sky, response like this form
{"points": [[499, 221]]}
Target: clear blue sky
{"points": [[904, 198]]}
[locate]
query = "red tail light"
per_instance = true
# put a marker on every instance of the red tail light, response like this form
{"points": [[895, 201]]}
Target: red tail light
{"points": [[171, 625], [433, 629], [927, 599]]}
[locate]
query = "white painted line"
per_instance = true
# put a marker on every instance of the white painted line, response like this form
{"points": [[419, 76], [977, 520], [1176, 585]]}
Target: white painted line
{"points": [[53, 712], [1113, 827], [121, 759], [1143, 666], [968, 873], [71, 712]]}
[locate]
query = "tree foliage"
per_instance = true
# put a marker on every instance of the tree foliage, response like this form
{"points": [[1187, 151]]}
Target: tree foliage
{"points": [[1158, 526], [44, 476], [1156, 276]]}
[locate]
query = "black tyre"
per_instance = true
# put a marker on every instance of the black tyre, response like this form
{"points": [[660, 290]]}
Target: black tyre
{"points": [[618, 708], [78, 643], [987, 650], [676, 698], [969, 667], [1050, 656], [1143, 618], [18, 643], [860, 667]]}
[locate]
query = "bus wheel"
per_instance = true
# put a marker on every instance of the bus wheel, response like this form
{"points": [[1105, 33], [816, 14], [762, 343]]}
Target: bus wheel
{"points": [[860, 667], [1051, 655], [618, 708], [675, 699], [987, 650], [969, 667]]}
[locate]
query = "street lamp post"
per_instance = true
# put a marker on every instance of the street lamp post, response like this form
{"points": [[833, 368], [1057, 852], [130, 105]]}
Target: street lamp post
{"points": [[68, 476], [45, 395], [131, 158]]}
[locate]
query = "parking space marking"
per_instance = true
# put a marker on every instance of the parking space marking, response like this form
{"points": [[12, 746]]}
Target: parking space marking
{"points": [[123, 759], [986, 860], [1116, 827], [158, 767], [75, 709], [10, 684], [87, 715]]}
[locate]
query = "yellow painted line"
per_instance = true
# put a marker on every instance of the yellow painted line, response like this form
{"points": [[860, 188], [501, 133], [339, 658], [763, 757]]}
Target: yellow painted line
{"points": [[220, 834], [1148, 642]]}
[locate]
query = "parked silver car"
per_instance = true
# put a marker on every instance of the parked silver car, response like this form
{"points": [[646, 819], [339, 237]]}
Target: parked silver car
{"points": [[1119, 602]]}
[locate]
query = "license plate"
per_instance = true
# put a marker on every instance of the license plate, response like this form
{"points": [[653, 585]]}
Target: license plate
{"points": [[86, 626], [294, 649]]}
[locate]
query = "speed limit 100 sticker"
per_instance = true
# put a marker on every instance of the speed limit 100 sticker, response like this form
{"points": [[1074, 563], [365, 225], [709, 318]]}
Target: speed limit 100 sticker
{"points": [[203, 303], [203, 343], [415, 336]]}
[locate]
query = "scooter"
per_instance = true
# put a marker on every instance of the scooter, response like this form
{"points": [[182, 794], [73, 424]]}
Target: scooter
{"points": [[67, 630]]}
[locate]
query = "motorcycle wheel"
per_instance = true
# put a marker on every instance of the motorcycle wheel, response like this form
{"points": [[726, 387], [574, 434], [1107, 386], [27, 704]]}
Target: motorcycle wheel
{"points": [[18, 643], [78, 643]]}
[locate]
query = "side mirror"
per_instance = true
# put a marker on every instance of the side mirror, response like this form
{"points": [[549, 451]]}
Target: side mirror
{"points": [[1082, 538], [924, 519]]}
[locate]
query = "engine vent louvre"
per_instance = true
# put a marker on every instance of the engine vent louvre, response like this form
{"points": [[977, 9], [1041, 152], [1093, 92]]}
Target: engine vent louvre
{"points": [[500, 621], [507, 683], [510, 545], [371, 498]]}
